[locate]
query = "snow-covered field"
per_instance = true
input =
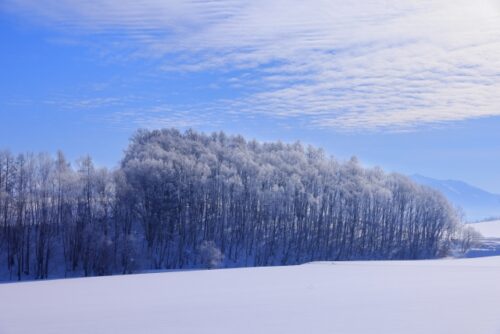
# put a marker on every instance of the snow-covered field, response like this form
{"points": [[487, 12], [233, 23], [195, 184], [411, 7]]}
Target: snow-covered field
{"points": [[436, 296], [490, 243], [440, 296], [489, 229]]}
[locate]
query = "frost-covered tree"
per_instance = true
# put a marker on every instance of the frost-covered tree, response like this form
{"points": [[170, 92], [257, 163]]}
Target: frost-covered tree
{"points": [[275, 203], [210, 255], [258, 203], [466, 238]]}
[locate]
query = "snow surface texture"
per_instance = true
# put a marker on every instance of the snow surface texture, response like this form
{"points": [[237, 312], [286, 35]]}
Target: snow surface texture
{"points": [[428, 297]]}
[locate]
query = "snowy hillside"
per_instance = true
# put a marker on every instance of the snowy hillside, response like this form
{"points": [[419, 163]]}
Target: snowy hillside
{"points": [[477, 203], [432, 296], [488, 229], [490, 242]]}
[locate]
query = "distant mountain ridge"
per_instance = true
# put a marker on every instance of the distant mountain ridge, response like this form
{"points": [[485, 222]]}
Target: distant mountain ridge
{"points": [[477, 204]]}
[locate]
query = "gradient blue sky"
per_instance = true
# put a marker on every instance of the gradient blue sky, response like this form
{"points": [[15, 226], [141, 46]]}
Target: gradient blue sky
{"points": [[411, 86]]}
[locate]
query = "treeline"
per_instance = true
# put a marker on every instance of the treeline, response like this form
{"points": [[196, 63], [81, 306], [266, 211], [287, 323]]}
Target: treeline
{"points": [[188, 199]]}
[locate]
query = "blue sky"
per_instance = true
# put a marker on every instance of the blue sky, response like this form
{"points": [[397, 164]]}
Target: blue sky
{"points": [[411, 86]]}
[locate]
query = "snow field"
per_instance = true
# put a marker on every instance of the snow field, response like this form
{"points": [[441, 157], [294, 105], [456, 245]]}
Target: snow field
{"points": [[438, 296], [489, 229]]}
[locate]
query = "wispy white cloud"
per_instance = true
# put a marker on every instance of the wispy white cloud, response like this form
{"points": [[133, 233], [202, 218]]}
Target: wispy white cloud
{"points": [[164, 116], [369, 64], [69, 103]]}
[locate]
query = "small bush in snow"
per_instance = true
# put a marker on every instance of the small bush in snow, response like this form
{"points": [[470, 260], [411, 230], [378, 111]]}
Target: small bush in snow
{"points": [[210, 255], [467, 239]]}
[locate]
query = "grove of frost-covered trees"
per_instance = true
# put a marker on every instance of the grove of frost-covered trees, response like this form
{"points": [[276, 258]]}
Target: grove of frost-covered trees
{"points": [[181, 200]]}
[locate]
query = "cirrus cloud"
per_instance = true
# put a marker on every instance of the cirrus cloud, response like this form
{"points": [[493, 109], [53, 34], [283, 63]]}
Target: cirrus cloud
{"points": [[362, 64]]}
